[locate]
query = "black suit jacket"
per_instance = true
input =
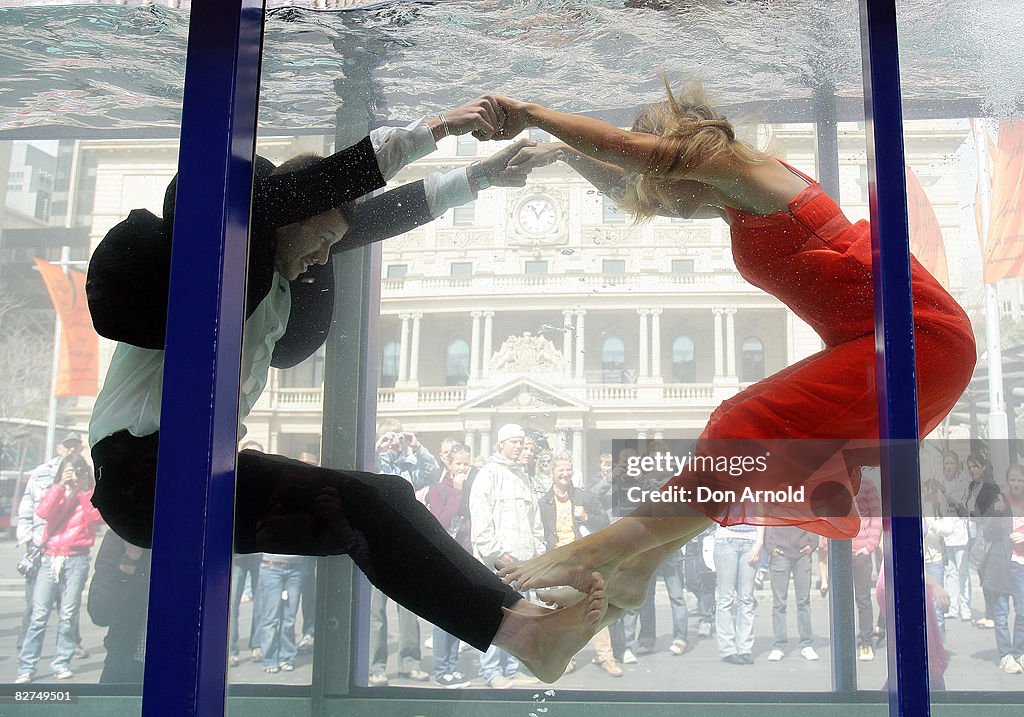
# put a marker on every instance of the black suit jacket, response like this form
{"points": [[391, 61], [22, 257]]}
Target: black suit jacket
{"points": [[129, 273]]}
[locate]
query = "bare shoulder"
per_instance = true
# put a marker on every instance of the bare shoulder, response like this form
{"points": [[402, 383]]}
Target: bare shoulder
{"points": [[762, 187]]}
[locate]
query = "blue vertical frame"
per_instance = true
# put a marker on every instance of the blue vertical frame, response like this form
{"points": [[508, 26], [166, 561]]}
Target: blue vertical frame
{"points": [[192, 535], [907, 649]]}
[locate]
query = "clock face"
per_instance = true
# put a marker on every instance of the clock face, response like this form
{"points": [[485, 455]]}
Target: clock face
{"points": [[538, 216]]}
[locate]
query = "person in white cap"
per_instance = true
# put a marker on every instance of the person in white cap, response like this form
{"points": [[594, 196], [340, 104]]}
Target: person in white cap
{"points": [[506, 526]]}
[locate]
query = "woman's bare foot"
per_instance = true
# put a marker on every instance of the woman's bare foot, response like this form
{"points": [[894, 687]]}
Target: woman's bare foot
{"points": [[561, 597], [572, 565], [546, 643], [626, 587]]}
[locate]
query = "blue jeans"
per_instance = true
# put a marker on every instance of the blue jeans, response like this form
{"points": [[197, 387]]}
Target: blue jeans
{"points": [[644, 615], [734, 603], [67, 586], [937, 571], [446, 653], [1001, 615], [671, 571], [241, 567], [277, 617], [958, 580], [799, 569], [496, 662]]}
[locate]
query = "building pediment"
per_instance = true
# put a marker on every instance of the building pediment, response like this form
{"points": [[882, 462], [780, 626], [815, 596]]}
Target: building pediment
{"points": [[524, 393]]}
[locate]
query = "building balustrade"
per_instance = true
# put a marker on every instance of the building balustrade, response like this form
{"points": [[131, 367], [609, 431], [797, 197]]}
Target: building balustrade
{"points": [[698, 282], [298, 399]]}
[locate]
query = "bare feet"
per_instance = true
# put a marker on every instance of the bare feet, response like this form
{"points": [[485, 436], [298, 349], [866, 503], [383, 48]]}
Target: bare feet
{"points": [[546, 643], [626, 588], [561, 597], [569, 565]]}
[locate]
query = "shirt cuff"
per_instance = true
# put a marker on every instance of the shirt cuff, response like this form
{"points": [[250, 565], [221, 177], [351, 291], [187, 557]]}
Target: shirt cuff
{"points": [[447, 190], [396, 147]]}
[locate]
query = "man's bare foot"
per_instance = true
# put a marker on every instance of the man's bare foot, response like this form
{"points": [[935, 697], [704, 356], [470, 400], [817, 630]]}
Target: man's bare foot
{"points": [[627, 588], [546, 643], [571, 565]]}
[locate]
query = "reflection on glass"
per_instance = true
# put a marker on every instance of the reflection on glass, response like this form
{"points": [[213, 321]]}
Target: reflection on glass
{"points": [[963, 187], [78, 612], [542, 306]]}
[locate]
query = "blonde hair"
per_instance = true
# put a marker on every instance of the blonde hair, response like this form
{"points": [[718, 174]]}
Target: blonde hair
{"points": [[692, 132]]}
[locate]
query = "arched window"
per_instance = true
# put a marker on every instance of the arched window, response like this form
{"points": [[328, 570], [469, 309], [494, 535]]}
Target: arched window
{"points": [[613, 360], [753, 359], [389, 365], [456, 363], [684, 366]]}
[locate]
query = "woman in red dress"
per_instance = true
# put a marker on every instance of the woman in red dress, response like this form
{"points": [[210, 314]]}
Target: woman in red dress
{"points": [[816, 419]]}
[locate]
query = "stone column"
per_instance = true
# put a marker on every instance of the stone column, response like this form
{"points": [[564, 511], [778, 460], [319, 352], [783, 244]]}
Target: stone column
{"points": [[414, 361], [485, 360], [730, 342], [577, 449], [642, 371], [403, 350], [656, 344], [719, 368], [567, 342], [470, 442], [580, 342], [474, 347], [562, 439], [485, 443]]}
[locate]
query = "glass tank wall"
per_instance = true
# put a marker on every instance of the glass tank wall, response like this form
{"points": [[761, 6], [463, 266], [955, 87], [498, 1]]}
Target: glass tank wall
{"points": [[542, 305]]}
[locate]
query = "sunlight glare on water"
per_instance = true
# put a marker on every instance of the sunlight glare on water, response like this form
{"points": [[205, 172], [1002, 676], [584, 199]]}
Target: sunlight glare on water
{"points": [[116, 67]]}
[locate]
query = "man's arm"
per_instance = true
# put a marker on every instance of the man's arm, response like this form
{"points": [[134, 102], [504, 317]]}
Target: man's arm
{"points": [[374, 219]]}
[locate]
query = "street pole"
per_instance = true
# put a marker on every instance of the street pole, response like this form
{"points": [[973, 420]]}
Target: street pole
{"points": [[998, 431]]}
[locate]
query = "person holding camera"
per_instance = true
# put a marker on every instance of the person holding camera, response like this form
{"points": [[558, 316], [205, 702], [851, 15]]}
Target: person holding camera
{"points": [[399, 453], [71, 522], [30, 527]]}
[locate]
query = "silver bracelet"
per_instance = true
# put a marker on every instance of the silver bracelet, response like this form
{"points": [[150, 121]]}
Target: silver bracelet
{"points": [[444, 125]]}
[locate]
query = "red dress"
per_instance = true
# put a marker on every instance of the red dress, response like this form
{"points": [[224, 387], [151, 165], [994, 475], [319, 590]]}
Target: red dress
{"points": [[819, 264]]}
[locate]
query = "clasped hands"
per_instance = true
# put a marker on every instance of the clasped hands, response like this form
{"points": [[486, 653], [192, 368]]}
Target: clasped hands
{"points": [[493, 117]]}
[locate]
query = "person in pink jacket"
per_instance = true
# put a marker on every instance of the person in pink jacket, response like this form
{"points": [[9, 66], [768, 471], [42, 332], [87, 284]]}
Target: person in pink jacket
{"points": [[71, 523]]}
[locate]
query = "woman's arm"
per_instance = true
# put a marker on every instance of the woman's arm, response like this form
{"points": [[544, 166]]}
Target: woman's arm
{"points": [[694, 200], [630, 151]]}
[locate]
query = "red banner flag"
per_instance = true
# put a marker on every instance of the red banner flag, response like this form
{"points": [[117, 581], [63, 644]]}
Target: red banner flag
{"points": [[1004, 248], [925, 235], [77, 371]]}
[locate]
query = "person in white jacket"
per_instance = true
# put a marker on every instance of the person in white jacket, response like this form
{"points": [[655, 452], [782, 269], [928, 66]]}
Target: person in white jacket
{"points": [[505, 516]]}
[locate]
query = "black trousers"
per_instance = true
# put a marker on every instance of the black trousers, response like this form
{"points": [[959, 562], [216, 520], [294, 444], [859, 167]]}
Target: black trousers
{"points": [[286, 506]]}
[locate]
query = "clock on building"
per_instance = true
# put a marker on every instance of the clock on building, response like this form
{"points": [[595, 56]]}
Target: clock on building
{"points": [[537, 215]]}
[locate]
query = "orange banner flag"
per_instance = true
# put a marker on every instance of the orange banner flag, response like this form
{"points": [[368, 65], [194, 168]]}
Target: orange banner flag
{"points": [[77, 370], [925, 235], [1004, 247]]}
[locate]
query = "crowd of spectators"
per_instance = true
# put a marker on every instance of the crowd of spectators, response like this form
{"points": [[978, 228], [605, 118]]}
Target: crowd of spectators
{"points": [[518, 502]]}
